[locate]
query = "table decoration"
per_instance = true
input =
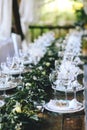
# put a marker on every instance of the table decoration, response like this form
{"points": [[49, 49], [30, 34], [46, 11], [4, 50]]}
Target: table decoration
{"points": [[61, 106], [20, 110]]}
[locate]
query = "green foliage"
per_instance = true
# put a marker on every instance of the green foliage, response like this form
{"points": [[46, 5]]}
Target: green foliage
{"points": [[20, 111], [81, 16]]}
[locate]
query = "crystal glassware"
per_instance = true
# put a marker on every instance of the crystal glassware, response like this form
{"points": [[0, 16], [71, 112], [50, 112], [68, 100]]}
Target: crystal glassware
{"points": [[53, 78], [74, 90]]}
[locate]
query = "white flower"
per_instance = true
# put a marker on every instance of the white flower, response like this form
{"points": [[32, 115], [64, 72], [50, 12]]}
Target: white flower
{"points": [[43, 72], [49, 53], [34, 77], [17, 108], [27, 87], [18, 126], [40, 68], [47, 64], [28, 84], [12, 121]]}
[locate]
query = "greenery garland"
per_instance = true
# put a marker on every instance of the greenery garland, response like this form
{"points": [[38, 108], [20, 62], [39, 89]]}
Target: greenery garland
{"points": [[20, 110]]}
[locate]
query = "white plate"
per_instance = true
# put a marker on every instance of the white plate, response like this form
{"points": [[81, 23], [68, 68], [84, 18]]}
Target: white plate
{"points": [[62, 89], [9, 86], [1, 103], [13, 71], [27, 62], [63, 109]]}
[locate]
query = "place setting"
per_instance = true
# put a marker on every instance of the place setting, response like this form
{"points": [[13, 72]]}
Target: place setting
{"points": [[7, 85], [66, 77], [64, 105], [60, 106], [12, 66]]}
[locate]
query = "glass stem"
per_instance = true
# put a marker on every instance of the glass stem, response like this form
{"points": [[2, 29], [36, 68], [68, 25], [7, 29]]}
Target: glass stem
{"points": [[4, 93], [66, 94], [20, 76], [74, 94], [55, 94]]}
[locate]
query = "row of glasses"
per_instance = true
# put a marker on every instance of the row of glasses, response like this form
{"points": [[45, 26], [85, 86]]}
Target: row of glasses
{"points": [[64, 82], [6, 67], [10, 62], [68, 76], [17, 61], [3, 85], [53, 77]]}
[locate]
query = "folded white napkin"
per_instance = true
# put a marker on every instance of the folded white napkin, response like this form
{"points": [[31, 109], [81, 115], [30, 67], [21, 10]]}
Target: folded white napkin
{"points": [[61, 105], [57, 105], [73, 104]]}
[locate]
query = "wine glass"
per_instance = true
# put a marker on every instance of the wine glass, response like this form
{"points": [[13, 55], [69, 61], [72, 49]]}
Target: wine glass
{"points": [[3, 65], [20, 53], [4, 82], [5, 85], [74, 90], [57, 64], [21, 68], [21, 60], [65, 83], [53, 77], [9, 65]]}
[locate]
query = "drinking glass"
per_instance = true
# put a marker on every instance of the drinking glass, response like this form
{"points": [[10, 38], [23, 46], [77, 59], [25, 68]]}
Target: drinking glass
{"points": [[3, 65], [65, 82], [9, 65], [20, 53], [21, 67], [74, 90], [4, 85], [53, 78], [57, 65]]}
